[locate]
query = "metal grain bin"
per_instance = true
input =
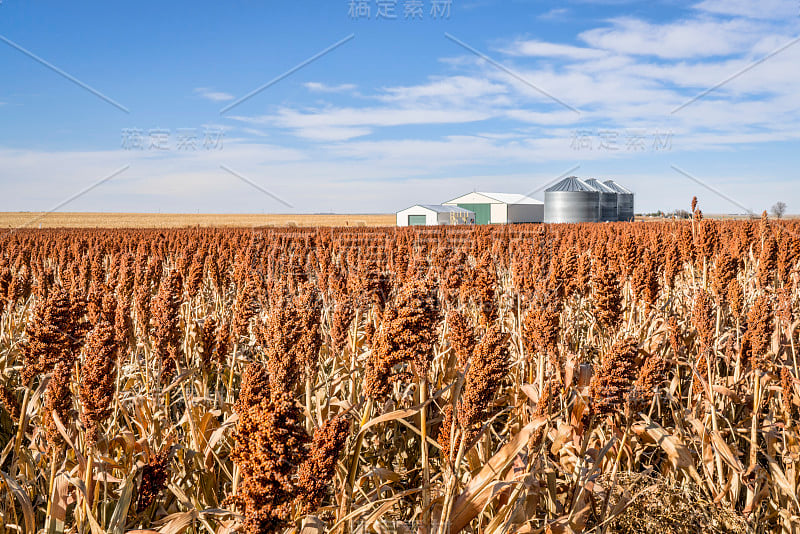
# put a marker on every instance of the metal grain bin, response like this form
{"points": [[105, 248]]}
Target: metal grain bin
{"points": [[571, 201], [608, 199], [624, 201]]}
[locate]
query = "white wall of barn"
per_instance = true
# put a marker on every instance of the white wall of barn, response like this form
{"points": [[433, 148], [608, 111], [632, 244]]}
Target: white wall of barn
{"points": [[431, 218], [499, 214]]}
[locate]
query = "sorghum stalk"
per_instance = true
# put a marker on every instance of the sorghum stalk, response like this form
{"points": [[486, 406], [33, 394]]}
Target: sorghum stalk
{"points": [[426, 469]]}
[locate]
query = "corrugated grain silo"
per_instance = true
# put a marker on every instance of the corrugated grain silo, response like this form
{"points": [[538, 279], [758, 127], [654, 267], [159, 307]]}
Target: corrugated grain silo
{"points": [[571, 201], [608, 199], [624, 201]]}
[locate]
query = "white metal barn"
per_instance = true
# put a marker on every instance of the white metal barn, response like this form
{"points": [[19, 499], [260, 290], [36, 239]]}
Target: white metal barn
{"points": [[433, 215], [501, 208]]}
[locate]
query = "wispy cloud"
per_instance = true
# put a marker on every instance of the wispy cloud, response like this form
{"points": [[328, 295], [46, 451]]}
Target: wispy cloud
{"points": [[335, 124], [319, 87], [555, 13], [443, 91], [763, 9], [551, 50], [214, 96], [681, 39], [255, 132]]}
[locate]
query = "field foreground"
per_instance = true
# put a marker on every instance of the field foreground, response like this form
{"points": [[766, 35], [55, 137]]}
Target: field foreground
{"points": [[185, 220], [570, 378]]}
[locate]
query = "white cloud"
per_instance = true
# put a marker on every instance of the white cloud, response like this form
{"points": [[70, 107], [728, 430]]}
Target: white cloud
{"points": [[170, 181], [214, 96], [550, 118], [376, 177], [761, 9], [691, 38], [555, 13], [331, 133], [336, 124], [256, 132], [453, 90], [325, 88], [542, 49], [442, 100], [385, 116]]}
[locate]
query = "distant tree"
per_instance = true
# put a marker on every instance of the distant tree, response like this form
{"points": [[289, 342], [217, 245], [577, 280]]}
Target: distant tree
{"points": [[778, 209], [679, 214]]}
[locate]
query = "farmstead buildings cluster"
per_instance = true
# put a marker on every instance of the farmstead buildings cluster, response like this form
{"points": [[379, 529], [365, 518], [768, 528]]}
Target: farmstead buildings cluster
{"points": [[571, 200]]}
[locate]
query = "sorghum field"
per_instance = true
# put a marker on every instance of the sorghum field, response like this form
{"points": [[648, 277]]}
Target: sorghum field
{"points": [[625, 377]]}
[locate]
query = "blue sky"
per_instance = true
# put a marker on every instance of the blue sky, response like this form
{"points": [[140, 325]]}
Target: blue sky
{"points": [[403, 111]]}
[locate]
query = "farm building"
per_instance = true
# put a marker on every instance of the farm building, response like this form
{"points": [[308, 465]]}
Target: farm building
{"points": [[500, 208], [434, 215], [624, 200], [571, 200]]}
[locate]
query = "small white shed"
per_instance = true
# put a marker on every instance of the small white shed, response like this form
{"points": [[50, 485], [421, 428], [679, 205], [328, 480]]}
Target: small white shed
{"points": [[434, 215], [501, 208]]}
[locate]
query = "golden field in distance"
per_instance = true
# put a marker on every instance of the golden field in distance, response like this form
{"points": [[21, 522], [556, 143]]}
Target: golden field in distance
{"points": [[182, 220], [28, 219]]}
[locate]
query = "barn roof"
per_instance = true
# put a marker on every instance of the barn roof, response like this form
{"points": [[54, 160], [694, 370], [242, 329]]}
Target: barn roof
{"points": [[500, 198], [443, 209]]}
